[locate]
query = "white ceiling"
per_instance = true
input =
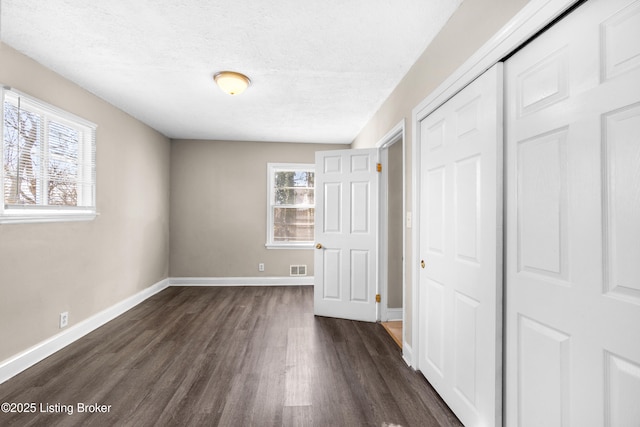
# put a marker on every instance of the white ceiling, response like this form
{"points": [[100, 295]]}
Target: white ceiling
{"points": [[319, 69]]}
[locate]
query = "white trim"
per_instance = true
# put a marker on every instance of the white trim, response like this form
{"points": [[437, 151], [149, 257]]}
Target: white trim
{"points": [[407, 354], [285, 245], [46, 348], [241, 281], [44, 107], [392, 136], [21, 217], [532, 18], [395, 314]]}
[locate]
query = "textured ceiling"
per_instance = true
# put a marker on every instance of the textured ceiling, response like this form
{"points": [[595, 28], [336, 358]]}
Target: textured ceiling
{"points": [[319, 69]]}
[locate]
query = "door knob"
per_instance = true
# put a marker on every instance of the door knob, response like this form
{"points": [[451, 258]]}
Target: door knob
{"points": [[422, 264], [319, 246]]}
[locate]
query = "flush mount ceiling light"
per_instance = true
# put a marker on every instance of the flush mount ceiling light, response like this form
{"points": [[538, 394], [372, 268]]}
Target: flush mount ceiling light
{"points": [[231, 82]]}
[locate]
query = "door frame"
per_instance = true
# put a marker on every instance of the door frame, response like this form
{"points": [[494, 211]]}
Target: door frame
{"points": [[532, 19], [394, 136]]}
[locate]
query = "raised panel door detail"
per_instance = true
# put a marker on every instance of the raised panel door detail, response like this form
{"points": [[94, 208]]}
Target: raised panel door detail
{"points": [[467, 208], [434, 134], [467, 118], [436, 218], [466, 312], [543, 84], [622, 202], [332, 207], [542, 205], [332, 274], [622, 384], [360, 207], [333, 164], [435, 325], [360, 163], [543, 367], [620, 54], [359, 275]]}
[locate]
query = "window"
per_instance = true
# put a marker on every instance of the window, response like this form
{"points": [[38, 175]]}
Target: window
{"points": [[48, 158], [291, 205]]}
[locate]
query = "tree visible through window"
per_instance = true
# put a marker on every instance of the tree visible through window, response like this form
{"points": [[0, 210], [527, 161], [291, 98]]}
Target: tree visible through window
{"points": [[32, 175], [47, 158], [292, 204]]}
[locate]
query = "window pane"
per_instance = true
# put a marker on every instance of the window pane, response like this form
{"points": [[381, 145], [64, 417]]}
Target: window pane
{"points": [[293, 224], [294, 179], [63, 165], [291, 203], [22, 157], [294, 196]]}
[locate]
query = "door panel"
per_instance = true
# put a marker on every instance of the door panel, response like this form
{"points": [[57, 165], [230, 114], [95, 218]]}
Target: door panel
{"points": [[332, 208], [461, 245], [346, 226], [622, 390], [573, 221], [465, 320], [542, 176], [622, 202], [466, 202], [331, 274], [435, 327], [544, 360]]}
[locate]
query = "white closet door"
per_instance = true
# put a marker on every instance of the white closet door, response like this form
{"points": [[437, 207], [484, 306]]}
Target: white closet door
{"points": [[461, 245], [573, 222]]}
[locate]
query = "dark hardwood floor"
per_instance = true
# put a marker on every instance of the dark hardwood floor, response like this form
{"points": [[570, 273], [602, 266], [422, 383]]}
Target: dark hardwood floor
{"points": [[228, 356]]}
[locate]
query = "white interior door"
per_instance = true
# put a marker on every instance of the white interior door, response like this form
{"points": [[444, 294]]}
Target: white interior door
{"points": [[460, 339], [573, 222], [346, 220]]}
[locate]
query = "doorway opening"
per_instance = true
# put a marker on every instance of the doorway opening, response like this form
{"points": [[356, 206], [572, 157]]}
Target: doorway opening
{"points": [[392, 235]]}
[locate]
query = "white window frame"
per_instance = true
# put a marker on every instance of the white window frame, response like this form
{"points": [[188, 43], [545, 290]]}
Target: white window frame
{"points": [[86, 210], [272, 168]]}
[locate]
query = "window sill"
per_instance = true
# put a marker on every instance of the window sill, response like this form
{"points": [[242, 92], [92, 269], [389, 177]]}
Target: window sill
{"points": [[29, 217], [289, 245]]}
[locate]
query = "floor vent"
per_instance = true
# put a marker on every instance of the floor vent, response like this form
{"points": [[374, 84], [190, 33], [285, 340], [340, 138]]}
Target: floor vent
{"points": [[297, 270]]}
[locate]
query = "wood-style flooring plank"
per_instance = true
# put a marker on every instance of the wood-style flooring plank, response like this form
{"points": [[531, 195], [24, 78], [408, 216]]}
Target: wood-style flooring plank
{"points": [[394, 328], [229, 356]]}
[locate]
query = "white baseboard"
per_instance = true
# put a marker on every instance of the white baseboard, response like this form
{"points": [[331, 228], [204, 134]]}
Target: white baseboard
{"points": [[46, 348], [241, 281], [395, 314], [407, 354]]}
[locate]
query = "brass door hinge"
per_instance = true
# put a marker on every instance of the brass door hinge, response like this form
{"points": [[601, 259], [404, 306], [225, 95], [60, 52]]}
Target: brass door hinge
{"points": [[379, 167], [377, 297]]}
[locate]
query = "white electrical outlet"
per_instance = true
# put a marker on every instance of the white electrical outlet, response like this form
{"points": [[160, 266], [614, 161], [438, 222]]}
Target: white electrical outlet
{"points": [[261, 266], [64, 319]]}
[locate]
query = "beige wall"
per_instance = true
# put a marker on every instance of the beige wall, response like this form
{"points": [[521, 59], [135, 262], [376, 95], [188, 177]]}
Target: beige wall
{"points": [[85, 267], [465, 32], [219, 208]]}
